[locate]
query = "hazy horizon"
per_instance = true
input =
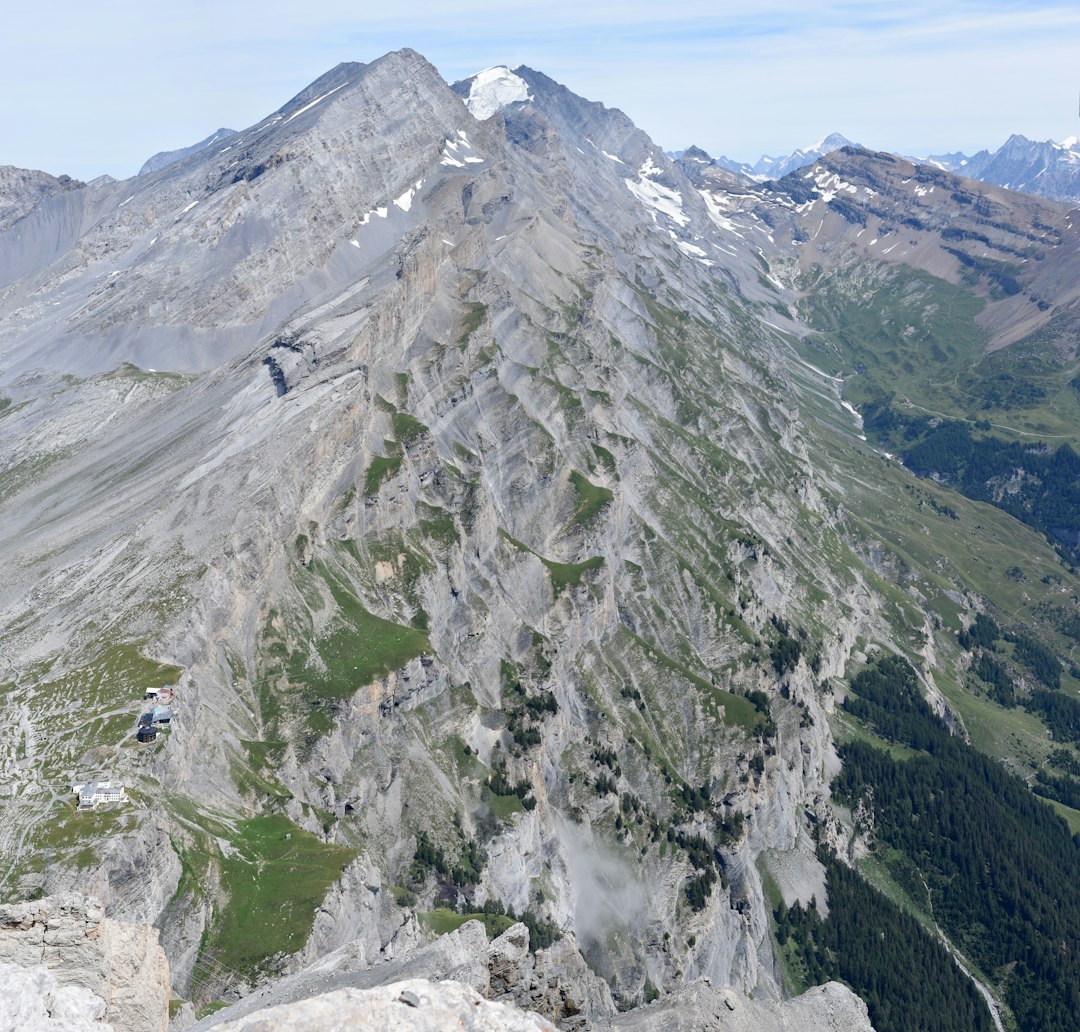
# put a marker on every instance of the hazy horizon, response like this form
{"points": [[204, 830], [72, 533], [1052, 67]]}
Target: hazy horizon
{"points": [[112, 85]]}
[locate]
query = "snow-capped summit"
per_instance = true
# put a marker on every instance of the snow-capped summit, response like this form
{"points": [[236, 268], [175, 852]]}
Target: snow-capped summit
{"points": [[491, 90], [1045, 168], [767, 167]]}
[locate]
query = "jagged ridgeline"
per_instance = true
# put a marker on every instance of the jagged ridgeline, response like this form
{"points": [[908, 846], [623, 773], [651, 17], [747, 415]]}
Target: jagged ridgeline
{"points": [[478, 483]]}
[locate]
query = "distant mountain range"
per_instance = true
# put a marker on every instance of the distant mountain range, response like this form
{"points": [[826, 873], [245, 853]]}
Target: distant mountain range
{"points": [[767, 167], [1048, 169]]}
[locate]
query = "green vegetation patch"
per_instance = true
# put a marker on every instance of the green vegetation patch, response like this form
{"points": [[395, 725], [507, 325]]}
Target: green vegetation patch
{"points": [[591, 498], [382, 468], [563, 575], [904, 330], [407, 429], [276, 876], [471, 320], [1000, 867], [441, 921], [360, 648], [569, 575]]}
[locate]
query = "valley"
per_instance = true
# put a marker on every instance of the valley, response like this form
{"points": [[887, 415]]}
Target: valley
{"points": [[516, 511]]}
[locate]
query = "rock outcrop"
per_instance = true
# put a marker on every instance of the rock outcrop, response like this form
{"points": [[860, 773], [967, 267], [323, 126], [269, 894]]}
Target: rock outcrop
{"points": [[555, 982], [416, 1005], [825, 1008], [31, 1000], [89, 956], [411, 1006]]}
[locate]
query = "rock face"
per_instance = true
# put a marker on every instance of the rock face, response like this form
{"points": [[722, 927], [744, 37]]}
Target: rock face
{"points": [[420, 1006], [462, 477], [31, 1000], [88, 955], [411, 1006], [555, 982], [700, 1007]]}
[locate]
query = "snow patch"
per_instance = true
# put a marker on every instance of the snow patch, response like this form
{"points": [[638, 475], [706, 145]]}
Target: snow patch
{"points": [[659, 198], [448, 158], [317, 100], [690, 250], [848, 407], [650, 168], [613, 157], [404, 202], [713, 204], [381, 212], [493, 89]]}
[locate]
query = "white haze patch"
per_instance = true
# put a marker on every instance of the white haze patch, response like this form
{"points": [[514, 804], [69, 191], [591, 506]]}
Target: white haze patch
{"points": [[606, 891]]}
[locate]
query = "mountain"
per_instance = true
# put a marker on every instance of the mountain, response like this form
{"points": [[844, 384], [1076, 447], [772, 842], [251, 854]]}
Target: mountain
{"points": [[493, 493], [1047, 169], [22, 189], [158, 161], [767, 167]]}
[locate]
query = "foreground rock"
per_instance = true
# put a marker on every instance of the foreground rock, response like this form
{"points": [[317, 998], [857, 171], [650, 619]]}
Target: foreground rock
{"points": [[32, 1001], [825, 1008], [419, 1006], [414, 1005], [555, 982], [70, 953]]}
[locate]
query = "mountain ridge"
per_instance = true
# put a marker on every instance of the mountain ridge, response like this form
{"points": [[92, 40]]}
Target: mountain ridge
{"points": [[499, 517]]}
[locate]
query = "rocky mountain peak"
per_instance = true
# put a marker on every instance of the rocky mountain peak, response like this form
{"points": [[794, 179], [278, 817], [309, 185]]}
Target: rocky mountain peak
{"points": [[487, 496], [163, 158]]}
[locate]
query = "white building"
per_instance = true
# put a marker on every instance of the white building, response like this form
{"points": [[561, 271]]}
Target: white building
{"points": [[93, 792]]}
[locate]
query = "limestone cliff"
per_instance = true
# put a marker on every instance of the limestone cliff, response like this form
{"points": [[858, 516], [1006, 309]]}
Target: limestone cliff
{"points": [[89, 957]]}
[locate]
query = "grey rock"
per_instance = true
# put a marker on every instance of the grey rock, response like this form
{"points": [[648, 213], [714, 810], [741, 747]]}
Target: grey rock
{"points": [[555, 982], [409, 1006], [700, 1006], [71, 943], [160, 160], [31, 1001]]}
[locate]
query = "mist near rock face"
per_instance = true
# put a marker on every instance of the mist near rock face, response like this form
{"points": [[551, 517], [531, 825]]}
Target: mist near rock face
{"points": [[609, 895]]}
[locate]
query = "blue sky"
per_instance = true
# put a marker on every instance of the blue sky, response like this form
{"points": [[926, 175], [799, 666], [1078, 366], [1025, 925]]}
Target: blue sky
{"points": [[98, 87]]}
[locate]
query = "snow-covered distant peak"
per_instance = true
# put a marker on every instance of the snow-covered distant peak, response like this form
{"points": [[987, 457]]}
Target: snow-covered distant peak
{"points": [[492, 89], [1070, 142]]}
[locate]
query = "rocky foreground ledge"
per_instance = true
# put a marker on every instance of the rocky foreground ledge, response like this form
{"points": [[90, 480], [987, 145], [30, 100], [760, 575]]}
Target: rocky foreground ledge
{"points": [[417, 1005], [65, 966], [461, 981]]}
